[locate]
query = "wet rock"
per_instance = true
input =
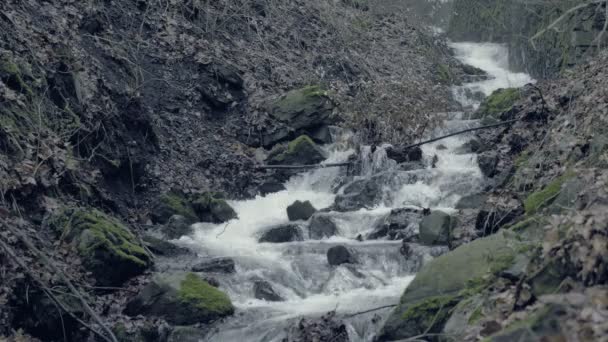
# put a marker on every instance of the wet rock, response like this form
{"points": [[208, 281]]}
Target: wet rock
{"points": [[363, 193], [107, 248], [322, 226], [501, 100], [321, 135], [497, 212], [186, 334], [441, 147], [487, 162], [400, 224], [436, 228], [270, 187], [471, 201], [212, 207], [162, 247], [180, 298], [172, 203], [284, 233], [264, 291], [300, 151], [472, 146], [402, 155], [339, 255], [176, 227], [410, 166], [327, 328], [517, 143], [300, 211], [215, 265], [428, 301], [308, 107]]}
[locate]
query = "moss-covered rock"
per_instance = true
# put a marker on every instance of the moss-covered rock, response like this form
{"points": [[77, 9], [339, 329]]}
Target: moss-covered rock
{"points": [[436, 228], [303, 108], [107, 247], [448, 279], [181, 298], [173, 203], [544, 197], [212, 207], [300, 151], [498, 102]]}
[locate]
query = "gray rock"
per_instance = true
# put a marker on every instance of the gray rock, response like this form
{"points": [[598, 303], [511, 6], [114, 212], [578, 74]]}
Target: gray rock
{"points": [[321, 226], [400, 224], [180, 298], [176, 227], [471, 201], [339, 255], [487, 162], [215, 265], [283, 233], [162, 247], [270, 187], [436, 228], [401, 155], [300, 211], [263, 290], [303, 108], [300, 151], [212, 207], [186, 334]]}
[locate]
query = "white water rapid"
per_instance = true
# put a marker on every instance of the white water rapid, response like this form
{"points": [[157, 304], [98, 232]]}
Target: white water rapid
{"points": [[299, 271]]}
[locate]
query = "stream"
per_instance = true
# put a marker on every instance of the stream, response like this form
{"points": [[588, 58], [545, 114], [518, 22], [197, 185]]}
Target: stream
{"points": [[299, 271]]}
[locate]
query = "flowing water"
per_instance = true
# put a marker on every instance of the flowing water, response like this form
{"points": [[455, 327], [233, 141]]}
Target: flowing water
{"points": [[299, 271]]}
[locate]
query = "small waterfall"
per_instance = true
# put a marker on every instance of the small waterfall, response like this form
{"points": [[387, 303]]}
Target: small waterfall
{"points": [[299, 271]]}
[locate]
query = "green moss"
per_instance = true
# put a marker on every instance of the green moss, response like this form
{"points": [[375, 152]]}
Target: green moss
{"points": [[431, 313], [11, 74], [194, 290], [212, 207], [498, 102], [176, 204], [541, 198], [103, 232], [444, 73], [313, 90], [522, 160], [476, 315], [293, 145]]}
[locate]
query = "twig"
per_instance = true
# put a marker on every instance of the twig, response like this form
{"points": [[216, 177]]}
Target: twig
{"points": [[69, 284], [298, 167]]}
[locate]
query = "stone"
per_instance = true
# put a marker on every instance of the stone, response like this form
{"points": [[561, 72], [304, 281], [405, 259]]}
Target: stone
{"points": [[472, 146], [162, 247], [186, 334], [322, 226], [215, 265], [212, 207], [283, 233], [300, 211], [172, 203], [487, 162], [180, 298], [176, 227], [401, 155], [108, 249], [501, 100], [300, 151], [270, 188], [436, 228], [400, 224], [339, 255], [264, 291], [474, 201], [303, 108], [438, 286]]}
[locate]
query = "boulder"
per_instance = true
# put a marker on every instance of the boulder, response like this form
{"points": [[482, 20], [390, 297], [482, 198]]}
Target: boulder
{"points": [[501, 100], [300, 211], [474, 201], [162, 247], [300, 151], [487, 162], [362, 193], [215, 265], [270, 187], [176, 227], [264, 291], [303, 108], [108, 249], [402, 155], [436, 228], [339, 255], [440, 285], [322, 226], [172, 203], [283, 233], [472, 146], [180, 298], [400, 224], [212, 207]]}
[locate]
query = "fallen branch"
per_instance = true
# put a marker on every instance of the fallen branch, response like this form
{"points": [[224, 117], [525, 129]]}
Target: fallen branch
{"points": [[299, 167], [371, 310]]}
